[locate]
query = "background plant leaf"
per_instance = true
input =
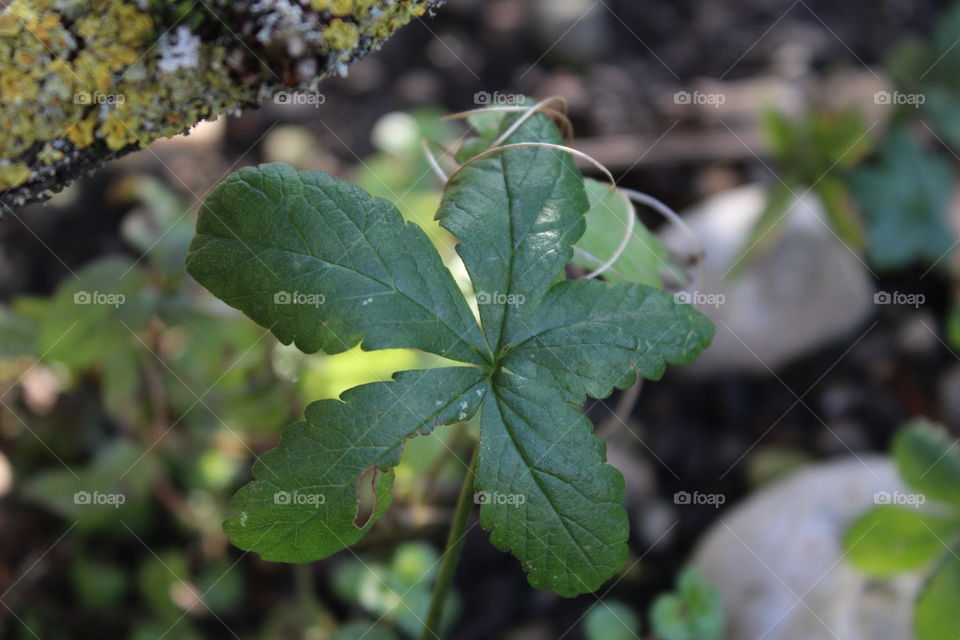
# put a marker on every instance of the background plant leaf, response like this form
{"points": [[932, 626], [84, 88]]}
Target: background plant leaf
{"points": [[903, 197], [889, 539], [929, 461], [644, 257], [935, 611]]}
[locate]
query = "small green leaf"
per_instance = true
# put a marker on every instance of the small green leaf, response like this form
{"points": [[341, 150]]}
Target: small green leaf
{"points": [[929, 68], [304, 503], [326, 266], [929, 461], [888, 539], [611, 620], [94, 314], [160, 576], [111, 488], [644, 256], [397, 594], [903, 196], [693, 612], [935, 611], [97, 585]]}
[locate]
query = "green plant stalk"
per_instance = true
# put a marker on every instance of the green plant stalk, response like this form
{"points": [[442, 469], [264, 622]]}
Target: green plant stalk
{"points": [[451, 553], [306, 598]]}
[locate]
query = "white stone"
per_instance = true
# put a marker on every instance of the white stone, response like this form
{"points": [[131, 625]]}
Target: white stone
{"points": [[807, 290], [779, 562]]}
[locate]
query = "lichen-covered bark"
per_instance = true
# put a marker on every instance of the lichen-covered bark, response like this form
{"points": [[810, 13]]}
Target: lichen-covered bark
{"points": [[85, 81]]}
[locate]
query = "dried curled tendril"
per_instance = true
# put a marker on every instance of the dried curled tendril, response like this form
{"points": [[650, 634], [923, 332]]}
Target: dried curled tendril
{"points": [[555, 108]]}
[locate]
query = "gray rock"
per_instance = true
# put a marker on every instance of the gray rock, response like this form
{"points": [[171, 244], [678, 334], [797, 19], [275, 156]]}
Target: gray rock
{"points": [[806, 290], [572, 31], [778, 559]]}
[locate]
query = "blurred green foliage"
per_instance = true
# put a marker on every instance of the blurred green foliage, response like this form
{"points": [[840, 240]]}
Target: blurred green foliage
{"points": [[397, 593], [136, 404], [611, 620], [902, 533], [693, 611], [904, 196]]}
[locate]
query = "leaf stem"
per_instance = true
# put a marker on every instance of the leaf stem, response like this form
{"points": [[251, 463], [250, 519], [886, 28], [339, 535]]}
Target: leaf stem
{"points": [[451, 553], [306, 598]]}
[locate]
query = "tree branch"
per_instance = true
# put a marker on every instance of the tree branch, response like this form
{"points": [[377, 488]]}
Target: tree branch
{"points": [[86, 81]]}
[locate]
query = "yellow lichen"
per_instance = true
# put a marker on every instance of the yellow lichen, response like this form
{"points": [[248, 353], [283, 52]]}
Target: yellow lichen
{"points": [[90, 71], [80, 133], [115, 132], [48, 155], [340, 34], [341, 8], [9, 25], [13, 175]]}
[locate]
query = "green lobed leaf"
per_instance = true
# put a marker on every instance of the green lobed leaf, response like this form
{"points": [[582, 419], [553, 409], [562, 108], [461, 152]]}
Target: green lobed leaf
{"points": [[889, 539], [326, 266], [545, 490], [516, 214], [929, 460], [303, 503], [644, 256], [935, 611], [591, 336], [903, 197]]}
